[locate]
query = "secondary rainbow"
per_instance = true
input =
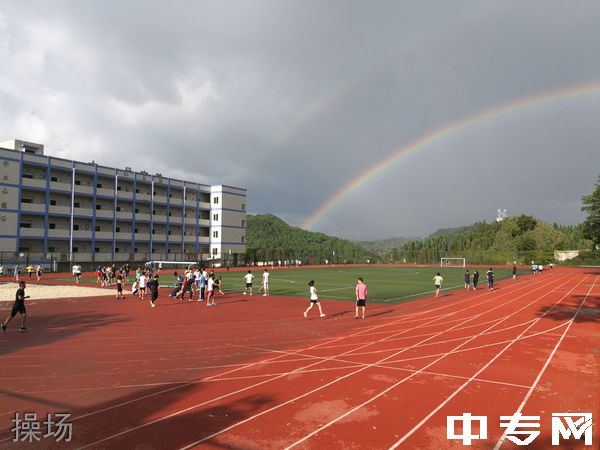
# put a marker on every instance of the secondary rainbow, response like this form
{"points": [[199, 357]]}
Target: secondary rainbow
{"points": [[520, 105]]}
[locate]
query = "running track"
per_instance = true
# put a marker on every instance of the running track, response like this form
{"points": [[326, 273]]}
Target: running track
{"points": [[252, 373]]}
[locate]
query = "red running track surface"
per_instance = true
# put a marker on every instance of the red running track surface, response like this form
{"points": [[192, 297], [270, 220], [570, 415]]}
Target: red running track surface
{"points": [[252, 373]]}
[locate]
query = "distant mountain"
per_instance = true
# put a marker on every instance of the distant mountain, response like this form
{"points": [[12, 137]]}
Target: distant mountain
{"points": [[382, 246], [449, 232], [269, 238]]}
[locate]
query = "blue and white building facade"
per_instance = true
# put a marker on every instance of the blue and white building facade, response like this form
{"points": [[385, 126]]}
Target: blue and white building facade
{"points": [[84, 212]]}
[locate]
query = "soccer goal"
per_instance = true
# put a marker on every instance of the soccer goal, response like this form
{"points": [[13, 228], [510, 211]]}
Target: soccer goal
{"points": [[453, 262], [169, 266]]}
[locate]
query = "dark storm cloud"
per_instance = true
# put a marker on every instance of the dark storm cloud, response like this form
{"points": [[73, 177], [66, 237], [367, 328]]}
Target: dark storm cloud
{"points": [[295, 99]]}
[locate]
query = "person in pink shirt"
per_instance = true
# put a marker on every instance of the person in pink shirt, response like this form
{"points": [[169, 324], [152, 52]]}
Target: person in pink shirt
{"points": [[361, 297]]}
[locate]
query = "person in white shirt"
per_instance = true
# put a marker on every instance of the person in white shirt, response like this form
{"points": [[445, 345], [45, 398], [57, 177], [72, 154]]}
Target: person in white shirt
{"points": [[265, 286], [142, 283], [77, 272], [248, 278], [437, 282], [210, 296], [314, 299]]}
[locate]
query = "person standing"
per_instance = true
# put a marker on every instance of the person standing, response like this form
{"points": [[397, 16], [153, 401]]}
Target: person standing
{"points": [[437, 283], [77, 273], [38, 272], [314, 299], [265, 286], [142, 284], [153, 286], [120, 295], [18, 307], [361, 297], [467, 279], [248, 278], [210, 294], [514, 272], [475, 279], [16, 272], [490, 279]]}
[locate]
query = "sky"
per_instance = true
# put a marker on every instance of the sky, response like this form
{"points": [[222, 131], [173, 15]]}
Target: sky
{"points": [[297, 101]]}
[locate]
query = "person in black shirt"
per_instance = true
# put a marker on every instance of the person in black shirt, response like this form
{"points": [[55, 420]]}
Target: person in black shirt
{"points": [[120, 295], [475, 279], [153, 286], [18, 307], [187, 287]]}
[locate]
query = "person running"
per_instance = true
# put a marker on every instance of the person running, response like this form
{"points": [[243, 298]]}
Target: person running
{"points": [[153, 286], [490, 279], [30, 271], [210, 294], [219, 285], [265, 286], [475, 279], [178, 284], [314, 299], [541, 268], [361, 297], [514, 272], [77, 273], [120, 295], [437, 283], [534, 268], [18, 307], [38, 272], [248, 278], [467, 280]]}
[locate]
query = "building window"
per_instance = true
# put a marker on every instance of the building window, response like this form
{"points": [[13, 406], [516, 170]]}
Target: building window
{"points": [[76, 204], [97, 249], [137, 210], [99, 185], [26, 200], [75, 227], [135, 230], [98, 206], [243, 239], [51, 249], [116, 249], [243, 207], [215, 234], [118, 188], [216, 217], [75, 249], [25, 225], [28, 176], [243, 223], [52, 202], [77, 182], [118, 208], [216, 200], [215, 250], [55, 179], [135, 249], [97, 227], [52, 226]]}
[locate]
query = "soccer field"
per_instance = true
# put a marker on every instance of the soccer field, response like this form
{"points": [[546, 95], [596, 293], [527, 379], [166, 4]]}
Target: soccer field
{"points": [[387, 284]]}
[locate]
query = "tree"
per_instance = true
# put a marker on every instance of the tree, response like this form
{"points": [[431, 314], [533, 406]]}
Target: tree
{"points": [[526, 223], [591, 225]]}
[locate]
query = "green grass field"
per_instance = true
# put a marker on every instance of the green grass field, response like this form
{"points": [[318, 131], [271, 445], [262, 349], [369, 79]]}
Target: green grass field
{"points": [[386, 284]]}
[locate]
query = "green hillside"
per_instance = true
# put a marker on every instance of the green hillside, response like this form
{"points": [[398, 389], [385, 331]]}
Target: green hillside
{"points": [[269, 238], [522, 239], [383, 246]]}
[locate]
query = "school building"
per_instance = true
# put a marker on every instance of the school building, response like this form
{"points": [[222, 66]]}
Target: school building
{"points": [[57, 210]]}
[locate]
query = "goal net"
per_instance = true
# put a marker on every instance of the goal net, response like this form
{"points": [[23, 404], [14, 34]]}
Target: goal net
{"points": [[453, 262], [171, 266]]}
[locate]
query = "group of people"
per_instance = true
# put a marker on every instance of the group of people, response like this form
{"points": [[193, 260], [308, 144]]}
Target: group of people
{"points": [[30, 269], [206, 284], [471, 280]]}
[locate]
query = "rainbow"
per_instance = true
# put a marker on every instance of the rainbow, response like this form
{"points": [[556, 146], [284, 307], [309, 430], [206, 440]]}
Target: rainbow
{"points": [[521, 105]]}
